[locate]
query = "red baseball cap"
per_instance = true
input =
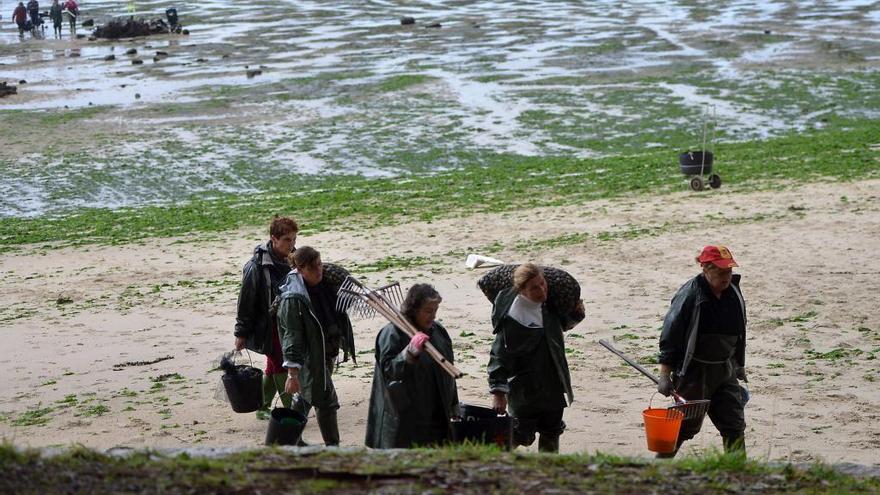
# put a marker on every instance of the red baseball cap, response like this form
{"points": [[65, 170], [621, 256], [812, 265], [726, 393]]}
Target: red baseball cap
{"points": [[719, 256]]}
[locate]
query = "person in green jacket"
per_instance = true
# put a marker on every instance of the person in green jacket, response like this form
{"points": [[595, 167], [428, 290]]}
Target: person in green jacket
{"points": [[528, 372], [312, 333], [412, 398]]}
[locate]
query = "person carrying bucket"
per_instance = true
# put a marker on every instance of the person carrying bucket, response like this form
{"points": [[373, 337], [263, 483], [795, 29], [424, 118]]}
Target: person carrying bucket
{"points": [[312, 334], [528, 371], [702, 348], [255, 323]]}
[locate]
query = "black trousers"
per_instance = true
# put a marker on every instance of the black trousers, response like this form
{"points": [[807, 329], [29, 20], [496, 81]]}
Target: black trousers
{"points": [[718, 383]]}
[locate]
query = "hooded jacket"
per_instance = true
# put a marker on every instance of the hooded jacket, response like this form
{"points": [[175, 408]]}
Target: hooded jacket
{"points": [[678, 339], [510, 360], [261, 277], [302, 340], [399, 385]]}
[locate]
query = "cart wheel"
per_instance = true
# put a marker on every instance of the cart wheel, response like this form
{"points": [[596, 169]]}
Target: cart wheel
{"points": [[697, 184], [715, 181]]}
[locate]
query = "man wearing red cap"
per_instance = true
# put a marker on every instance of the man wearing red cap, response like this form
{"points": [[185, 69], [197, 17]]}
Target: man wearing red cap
{"points": [[702, 347]]}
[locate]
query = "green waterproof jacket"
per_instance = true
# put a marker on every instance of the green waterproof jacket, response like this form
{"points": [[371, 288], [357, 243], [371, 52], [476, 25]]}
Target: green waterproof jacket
{"points": [[302, 341], [516, 366], [403, 385]]}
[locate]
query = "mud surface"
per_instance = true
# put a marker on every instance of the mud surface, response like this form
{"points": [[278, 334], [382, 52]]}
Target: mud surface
{"points": [[270, 88]]}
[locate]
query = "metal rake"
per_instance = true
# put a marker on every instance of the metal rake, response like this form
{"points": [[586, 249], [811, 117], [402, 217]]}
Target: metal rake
{"points": [[691, 409], [349, 299], [357, 296]]}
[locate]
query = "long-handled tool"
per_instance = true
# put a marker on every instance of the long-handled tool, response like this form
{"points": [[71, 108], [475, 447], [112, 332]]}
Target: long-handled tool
{"points": [[692, 409], [357, 297], [356, 306]]}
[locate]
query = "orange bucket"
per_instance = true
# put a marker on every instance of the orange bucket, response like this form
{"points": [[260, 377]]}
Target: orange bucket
{"points": [[661, 429]]}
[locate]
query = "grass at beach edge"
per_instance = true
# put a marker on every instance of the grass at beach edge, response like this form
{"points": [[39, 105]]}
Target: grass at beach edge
{"points": [[463, 468], [846, 150]]}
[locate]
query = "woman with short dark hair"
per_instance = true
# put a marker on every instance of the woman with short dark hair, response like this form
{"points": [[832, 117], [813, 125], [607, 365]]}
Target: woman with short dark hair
{"points": [[413, 398]]}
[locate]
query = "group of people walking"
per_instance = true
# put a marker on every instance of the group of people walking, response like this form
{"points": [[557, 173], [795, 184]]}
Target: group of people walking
{"points": [[288, 312], [28, 18]]}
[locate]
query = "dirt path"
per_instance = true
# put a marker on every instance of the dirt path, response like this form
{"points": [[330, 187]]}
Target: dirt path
{"points": [[80, 322]]}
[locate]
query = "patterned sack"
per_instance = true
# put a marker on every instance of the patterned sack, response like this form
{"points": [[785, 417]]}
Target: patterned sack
{"points": [[563, 291], [334, 275]]}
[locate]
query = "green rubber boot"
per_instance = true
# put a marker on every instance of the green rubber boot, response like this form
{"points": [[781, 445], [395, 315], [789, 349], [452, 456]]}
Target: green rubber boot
{"points": [[280, 379], [735, 445]]}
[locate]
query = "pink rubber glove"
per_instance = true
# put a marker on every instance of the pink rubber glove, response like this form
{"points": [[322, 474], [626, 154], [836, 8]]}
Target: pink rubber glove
{"points": [[417, 343]]}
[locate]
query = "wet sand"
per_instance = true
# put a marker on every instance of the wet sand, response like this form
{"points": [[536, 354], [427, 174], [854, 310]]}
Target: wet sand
{"points": [[76, 318]]}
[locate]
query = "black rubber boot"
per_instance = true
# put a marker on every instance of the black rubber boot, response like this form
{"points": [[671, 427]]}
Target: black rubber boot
{"points": [[548, 443], [328, 425]]}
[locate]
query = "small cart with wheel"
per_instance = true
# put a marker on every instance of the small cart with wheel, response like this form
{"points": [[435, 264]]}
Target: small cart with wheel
{"points": [[698, 164]]}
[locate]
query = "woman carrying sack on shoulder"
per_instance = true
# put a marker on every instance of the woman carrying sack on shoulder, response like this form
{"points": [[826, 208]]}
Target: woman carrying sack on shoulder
{"points": [[528, 371], [313, 333]]}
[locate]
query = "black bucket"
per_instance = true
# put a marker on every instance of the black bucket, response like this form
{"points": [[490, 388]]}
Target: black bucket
{"points": [[691, 162], [482, 425], [244, 388], [285, 427]]}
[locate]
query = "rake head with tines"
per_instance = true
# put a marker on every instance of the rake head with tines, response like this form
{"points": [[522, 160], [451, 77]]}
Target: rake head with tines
{"points": [[351, 297], [691, 409], [360, 299]]}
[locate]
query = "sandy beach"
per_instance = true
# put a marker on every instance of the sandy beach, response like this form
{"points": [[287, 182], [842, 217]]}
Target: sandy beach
{"points": [[83, 324]]}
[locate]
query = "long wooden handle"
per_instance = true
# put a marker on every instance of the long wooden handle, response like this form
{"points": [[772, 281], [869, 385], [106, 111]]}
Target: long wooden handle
{"points": [[432, 351], [675, 395], [382, 307], [629, 361], [404, 324]]}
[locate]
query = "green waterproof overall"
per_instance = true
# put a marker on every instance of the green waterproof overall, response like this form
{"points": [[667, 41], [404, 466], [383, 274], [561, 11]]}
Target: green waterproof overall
{"points": [[713, 329]]}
